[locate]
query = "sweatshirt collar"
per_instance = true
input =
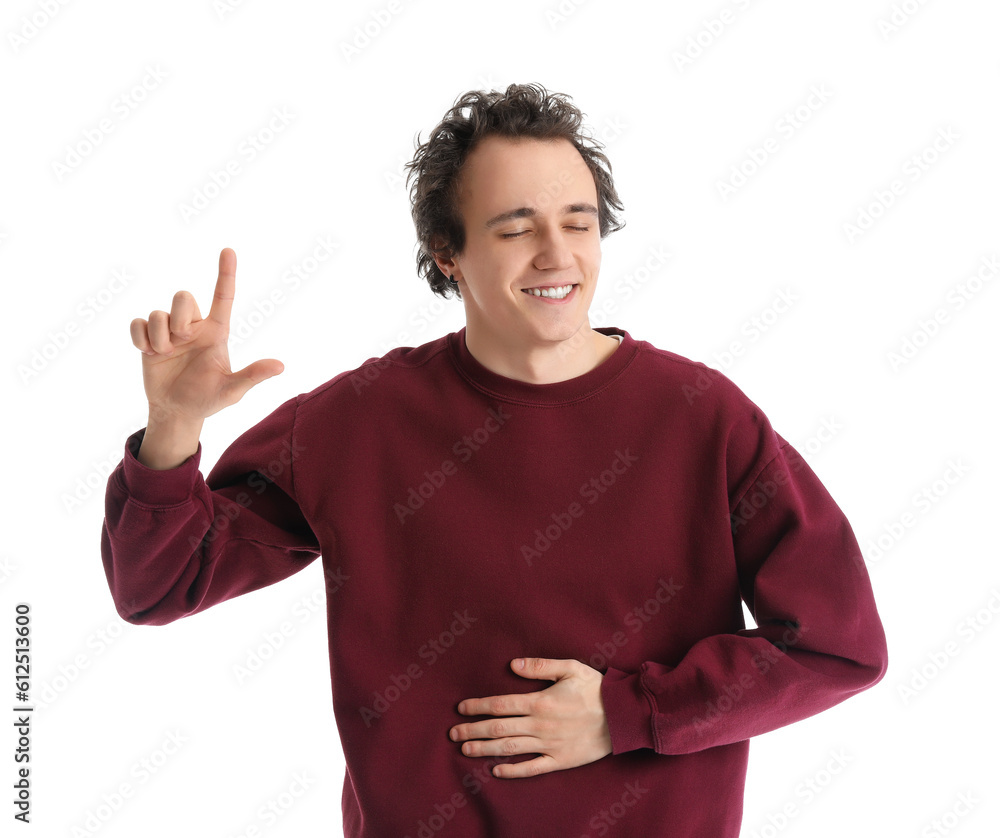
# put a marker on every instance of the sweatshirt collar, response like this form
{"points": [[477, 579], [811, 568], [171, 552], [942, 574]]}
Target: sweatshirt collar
{"points": [[560, 392]]}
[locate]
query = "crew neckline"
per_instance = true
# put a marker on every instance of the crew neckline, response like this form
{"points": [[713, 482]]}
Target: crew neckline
{"points": [[559, 392]]}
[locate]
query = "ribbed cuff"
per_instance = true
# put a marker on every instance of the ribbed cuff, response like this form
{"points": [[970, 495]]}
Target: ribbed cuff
{"points": [[158, 487], [629, 711]]}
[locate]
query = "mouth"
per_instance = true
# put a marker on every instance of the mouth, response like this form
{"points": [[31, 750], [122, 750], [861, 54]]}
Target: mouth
{"points": [[552, 293]]}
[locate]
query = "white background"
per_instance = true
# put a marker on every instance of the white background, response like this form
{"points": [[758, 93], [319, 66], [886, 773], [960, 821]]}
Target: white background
{"points": [[110, 695]]}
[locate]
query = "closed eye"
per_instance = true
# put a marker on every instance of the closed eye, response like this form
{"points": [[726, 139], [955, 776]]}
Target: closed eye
{"points": [[522, 232]]}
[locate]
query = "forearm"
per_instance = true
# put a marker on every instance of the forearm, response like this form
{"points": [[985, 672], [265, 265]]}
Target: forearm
{"points": [[175, 543], [818, 638], [735, 686], [154, 536]]}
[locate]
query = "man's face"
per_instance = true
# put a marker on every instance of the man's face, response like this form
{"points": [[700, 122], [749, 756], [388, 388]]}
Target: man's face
{"points": [[553, 239]]}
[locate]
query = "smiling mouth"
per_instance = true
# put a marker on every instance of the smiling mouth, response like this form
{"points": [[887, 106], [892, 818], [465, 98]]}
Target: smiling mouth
{"points": [[556, 292]]}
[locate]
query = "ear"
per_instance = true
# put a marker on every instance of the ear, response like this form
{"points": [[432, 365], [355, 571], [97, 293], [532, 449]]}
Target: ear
{"points": [[443, 257]]}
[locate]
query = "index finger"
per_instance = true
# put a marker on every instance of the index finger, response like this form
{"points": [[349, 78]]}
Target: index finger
{"points": [[225, 288], [516, 704]]}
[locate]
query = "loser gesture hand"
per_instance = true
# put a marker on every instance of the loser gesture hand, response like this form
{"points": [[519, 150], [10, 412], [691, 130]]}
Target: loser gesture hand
{"points": [[185, 361]]}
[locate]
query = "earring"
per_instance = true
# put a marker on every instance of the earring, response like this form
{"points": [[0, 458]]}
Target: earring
{"points": [[451, 279]]}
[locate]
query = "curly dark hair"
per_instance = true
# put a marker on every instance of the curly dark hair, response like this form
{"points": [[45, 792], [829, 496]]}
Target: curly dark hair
{"points": [[524, 110]]}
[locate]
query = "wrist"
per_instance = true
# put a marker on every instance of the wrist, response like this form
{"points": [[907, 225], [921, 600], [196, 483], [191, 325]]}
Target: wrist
{"points": [[162, 419], [168, 440]]}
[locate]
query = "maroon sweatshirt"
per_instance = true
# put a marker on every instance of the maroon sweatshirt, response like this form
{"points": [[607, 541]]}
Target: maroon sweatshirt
{"points": [[465, 519]]}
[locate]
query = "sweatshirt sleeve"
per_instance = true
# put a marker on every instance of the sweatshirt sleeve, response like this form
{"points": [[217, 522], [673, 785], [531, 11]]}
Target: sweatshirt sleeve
{"points": [[818, 639], [174, 543]]}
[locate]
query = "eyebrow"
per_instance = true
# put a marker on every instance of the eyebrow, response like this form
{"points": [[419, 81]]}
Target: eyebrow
{"points": [[531, 212]]}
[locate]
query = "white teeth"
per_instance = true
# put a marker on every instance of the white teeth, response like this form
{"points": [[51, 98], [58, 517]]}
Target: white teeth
{"points": [[557, 293]]}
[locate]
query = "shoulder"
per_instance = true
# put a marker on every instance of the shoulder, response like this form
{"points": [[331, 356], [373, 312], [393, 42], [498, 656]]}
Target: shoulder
{"points": [[694, 383], [707, 397], [352, 385]]}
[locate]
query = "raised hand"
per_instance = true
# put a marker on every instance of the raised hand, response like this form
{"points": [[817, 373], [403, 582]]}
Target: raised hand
{"points": [[185, 361]]}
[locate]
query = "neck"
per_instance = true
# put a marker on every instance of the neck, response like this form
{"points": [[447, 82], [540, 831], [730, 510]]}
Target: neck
{"points": [[545, 362]]}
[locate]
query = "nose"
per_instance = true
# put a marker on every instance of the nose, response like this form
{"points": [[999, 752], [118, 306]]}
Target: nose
{"points": [[554, 252]]}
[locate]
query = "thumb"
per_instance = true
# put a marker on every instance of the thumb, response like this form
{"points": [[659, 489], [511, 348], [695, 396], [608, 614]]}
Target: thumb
{"points": [[242, 380]]}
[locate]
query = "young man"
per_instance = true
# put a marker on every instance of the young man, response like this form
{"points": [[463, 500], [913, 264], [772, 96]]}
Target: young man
{"points": [[536, 535]]}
